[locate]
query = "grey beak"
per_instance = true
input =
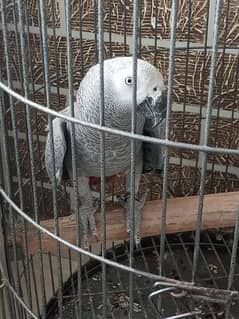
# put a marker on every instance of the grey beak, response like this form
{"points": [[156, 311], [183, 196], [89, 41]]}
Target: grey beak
{"points": [[155, 110]]}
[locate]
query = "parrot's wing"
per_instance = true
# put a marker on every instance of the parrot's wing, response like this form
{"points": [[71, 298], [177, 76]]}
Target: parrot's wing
{"points": [[60, 141]]}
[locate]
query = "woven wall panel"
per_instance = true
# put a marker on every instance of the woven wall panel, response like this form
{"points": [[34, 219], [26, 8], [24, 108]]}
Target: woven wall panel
{"points": [[185, 127], [44, 201], [224, 133], [119, 12], [58, 60], [229, 24], [32, 9], [38, 119], [185, 181], [195, 81], [25, 166], [182, 181]]}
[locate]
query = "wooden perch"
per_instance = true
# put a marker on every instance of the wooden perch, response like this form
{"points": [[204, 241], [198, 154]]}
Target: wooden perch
{"points": [[219, 211]]}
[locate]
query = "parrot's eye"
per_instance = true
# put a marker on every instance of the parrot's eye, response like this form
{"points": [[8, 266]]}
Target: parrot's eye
{"points": [[155, 89], [128, 80]]}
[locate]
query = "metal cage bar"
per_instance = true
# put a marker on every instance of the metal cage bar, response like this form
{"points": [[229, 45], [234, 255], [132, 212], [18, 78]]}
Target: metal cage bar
{"points": [[136, 5], [23, 309], [102, 147], [54, 195], [205, 140], [186, 146]]}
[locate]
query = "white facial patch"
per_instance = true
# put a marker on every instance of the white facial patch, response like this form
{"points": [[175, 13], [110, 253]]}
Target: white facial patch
{"points": [[149, 82]]}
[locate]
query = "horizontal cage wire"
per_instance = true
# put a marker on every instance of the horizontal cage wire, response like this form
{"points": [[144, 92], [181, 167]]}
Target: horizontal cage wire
{"points": [[119, 159]]}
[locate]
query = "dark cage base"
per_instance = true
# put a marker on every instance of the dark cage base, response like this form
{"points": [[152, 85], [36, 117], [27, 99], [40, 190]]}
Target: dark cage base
{"points": [[213, 270]]}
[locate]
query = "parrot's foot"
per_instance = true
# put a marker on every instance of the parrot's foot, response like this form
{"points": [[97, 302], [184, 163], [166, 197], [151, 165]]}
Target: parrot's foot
{"points": [[87, 215], [139, 204], [87, 220]]}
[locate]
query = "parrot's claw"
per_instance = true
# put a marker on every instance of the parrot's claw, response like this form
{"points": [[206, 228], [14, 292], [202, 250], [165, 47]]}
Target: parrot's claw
{"points": [[139, 204], [85, 243], [87, 221], [87, 215], [137, 219]]}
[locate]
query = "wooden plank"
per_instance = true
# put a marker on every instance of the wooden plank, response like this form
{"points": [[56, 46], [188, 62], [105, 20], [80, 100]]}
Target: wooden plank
{"points": [[219, 212]]}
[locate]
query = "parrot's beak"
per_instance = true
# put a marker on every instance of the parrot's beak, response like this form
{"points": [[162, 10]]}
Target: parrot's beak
{"points": [[154, 109]]}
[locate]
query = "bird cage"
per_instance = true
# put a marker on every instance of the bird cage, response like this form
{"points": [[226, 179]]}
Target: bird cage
{"points": [[186, 264]]}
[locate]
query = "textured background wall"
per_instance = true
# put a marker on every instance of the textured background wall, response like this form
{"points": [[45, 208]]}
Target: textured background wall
{"points": [[192, 66]]}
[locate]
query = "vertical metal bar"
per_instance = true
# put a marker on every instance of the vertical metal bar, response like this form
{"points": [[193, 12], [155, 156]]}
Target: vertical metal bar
{"points": [[53, 5], [51, 273], [205, 141], [3, 260], [19, 56], [137, 288], [156, 33], [185, 84], [217, 255], [82, 70], [13, 117], [125, 27], [210, 274], [56, 58], [48, 103], [202, 93], [16, 149], [120, 283], [234, 256], [155, 246], [8, 189], [16, 282], [174, 260], [35, 286], [140, 30], [102, 147], [110, 28], [73, 145], [132, 148], [24, 278], [220, 88], [44, 42], [191, 265], [73, 284], [2, 302], [34, 96], [89, 291], [18, 49], [167, 129], [95, 33], [30, 140]]}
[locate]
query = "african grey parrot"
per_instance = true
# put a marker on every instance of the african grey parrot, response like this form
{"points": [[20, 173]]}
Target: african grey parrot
{"points": [[150, 112]]}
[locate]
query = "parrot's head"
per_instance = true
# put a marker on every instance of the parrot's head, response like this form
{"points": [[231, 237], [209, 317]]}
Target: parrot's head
{"points": [[151, 102], [118, 90]]}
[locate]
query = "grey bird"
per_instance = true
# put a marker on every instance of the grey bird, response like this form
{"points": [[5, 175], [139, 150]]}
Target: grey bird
{"points": [[150, 113]]}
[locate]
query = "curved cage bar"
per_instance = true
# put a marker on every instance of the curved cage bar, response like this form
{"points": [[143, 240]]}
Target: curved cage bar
{"points": [[50, 266]]}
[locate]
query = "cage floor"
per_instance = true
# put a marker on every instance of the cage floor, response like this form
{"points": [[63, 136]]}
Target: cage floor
{"points": [[213, 270]]}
